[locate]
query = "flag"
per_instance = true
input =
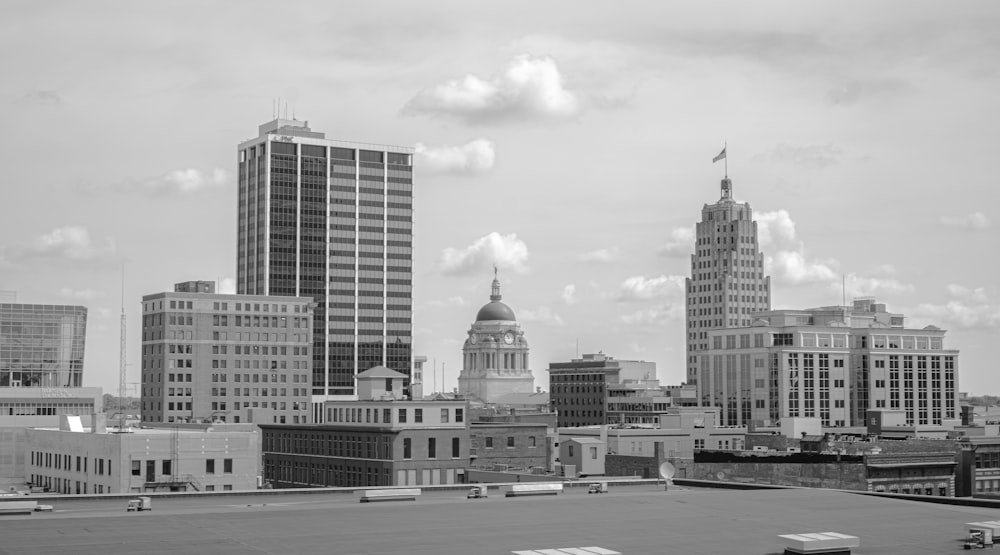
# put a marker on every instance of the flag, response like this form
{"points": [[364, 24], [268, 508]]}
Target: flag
{"points": [[721, 156]]}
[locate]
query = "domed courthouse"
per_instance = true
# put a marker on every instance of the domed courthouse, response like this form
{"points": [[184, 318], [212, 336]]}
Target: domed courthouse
{"points": [[495, 361]]}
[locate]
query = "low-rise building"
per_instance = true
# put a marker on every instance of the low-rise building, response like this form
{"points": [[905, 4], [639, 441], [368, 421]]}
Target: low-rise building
{"points": [[510, 446], [72, 459], [383, 439], [585, 455]]}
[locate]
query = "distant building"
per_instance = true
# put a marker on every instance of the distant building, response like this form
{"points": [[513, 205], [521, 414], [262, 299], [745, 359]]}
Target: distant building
{"points": [[72, 459], [495, 354], [208, 356], [41, 373], [383, 439], [727, 284], [510, 446], [584, 454], [833, 363], [331, 220], [585, 390]]}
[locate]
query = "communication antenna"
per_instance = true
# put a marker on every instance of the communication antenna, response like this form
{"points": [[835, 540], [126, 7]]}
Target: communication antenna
{"points": [[121, 362]]}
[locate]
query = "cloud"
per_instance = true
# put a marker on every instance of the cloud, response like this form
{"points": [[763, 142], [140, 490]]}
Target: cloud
{"points": [[861, 286], [182, 181], [599, 255], [476, 156], [785, 257], [679, 244], [812, 156], [656, 315], [977, 221], [79, 294], [104, 312], [527, 88], [506, 251], [968, 309], [542, 314], [853, 92], [569, 294], [227, 286], [41, 97], [640, 288], [67, 243]]}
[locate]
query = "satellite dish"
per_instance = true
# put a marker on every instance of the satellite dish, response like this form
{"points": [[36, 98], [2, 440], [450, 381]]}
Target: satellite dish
{"points": [[667, 471]]}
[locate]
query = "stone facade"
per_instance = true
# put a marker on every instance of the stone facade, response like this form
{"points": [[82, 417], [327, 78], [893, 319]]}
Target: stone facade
{"points": [[495, 355], [515, 446]]}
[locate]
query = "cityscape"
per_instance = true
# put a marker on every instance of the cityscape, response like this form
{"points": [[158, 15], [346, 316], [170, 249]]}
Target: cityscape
{"points": [[695, 266]]}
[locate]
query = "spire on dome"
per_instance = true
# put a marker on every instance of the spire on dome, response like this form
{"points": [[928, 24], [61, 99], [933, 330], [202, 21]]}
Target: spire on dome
{"points": [[495, 296]]}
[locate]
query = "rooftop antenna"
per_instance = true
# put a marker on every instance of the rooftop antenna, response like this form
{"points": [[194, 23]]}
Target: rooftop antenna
{"points": [[121, 362]]}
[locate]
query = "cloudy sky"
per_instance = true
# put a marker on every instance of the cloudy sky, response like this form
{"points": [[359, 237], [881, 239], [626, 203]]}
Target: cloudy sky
{"points": [[570, 143]]}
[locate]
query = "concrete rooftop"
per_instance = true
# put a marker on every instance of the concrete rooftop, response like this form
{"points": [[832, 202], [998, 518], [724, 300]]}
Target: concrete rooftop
{"points": [[634, 520]]}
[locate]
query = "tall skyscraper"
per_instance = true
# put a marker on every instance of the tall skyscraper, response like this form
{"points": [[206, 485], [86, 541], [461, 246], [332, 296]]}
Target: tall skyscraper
{"points": [[331, 220], [727, 282]]}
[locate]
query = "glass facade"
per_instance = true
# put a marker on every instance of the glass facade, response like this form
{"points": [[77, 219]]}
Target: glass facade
{"points": [[42, 345], [332, 221]]}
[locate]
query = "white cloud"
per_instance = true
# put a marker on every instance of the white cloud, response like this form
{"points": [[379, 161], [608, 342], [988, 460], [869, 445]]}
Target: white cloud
{"points": [[640, 288], [861, 286], [527, 88], [68, 242], [680, 243], [542, 314], [978, 294], [599, 255], [569, 294], [969, 308], [506, 251], [784, 253], [104, 312], [476, 156], [227, 286], [977, 221], [181, 181], [79, 294], [659, 314]]}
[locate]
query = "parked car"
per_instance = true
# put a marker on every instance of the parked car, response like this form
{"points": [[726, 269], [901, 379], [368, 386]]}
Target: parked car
{"points": [[598, 487], [43, 509], [477, 492]]}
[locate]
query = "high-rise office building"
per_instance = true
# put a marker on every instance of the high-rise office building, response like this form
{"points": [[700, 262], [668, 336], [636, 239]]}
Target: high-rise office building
{"points": [[234, 358], [727, 282], [333, 221]]}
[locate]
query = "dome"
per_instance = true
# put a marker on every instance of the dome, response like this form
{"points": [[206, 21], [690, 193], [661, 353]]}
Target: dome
{"points": [[495, 310]]}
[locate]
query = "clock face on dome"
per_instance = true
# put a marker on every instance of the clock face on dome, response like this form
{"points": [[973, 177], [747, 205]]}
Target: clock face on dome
{"points": [[508, 338]]}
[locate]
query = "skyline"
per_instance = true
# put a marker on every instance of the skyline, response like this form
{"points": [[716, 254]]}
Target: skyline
{"points": [[573, 150]]}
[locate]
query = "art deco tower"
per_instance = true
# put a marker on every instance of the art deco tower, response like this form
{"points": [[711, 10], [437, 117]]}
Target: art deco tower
{"points": [[727, 282], [331, 220]]}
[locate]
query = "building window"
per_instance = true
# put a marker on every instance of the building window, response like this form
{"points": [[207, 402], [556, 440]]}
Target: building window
{"points": [[418, 416], [510, 441], [402, 416], [227, 466], [166, 468], [432, 448], [407, 452], [489, 443], [137, 468], [593, 453], [209, 466], [531, 441], [444, 416], [455, 448], [459, 415]]}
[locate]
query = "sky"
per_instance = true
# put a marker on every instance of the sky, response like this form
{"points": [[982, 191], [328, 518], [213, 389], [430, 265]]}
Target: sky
{"points": [[569, 143]]}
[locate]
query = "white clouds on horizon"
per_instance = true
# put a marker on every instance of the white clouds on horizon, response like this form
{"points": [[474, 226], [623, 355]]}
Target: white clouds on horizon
{"points": [[527, 88], [70, 242], [641, 288], [569, 294], [977, 221], [506, 251], [968, 309], [600, 255], [542, 314], [476, 156], [680, 243], [180, 181]]}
